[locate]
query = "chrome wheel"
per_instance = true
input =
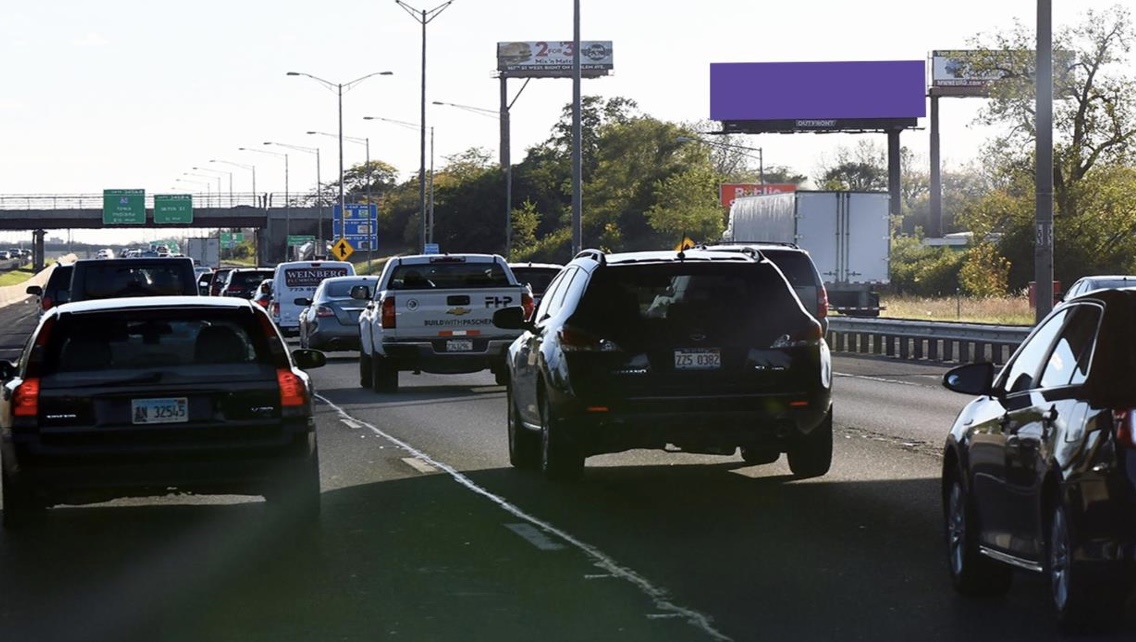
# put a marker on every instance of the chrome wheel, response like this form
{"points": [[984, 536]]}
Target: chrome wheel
{"points": [[1059, 561], [956, 528]]}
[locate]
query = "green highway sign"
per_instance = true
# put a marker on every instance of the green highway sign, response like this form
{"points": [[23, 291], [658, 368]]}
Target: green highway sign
{"points": [[229, 239], [173, 208], [300, 239], [124, 207]]}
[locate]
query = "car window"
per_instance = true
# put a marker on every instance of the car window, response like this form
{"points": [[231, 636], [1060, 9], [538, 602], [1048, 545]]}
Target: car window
{"points": [[546, 303], [109, 279], [796, 266], [1020, 372], [341, 289], [557, 298], [449, 276], [1069, 361], [538, 278], [248, 279], [154, 340]]}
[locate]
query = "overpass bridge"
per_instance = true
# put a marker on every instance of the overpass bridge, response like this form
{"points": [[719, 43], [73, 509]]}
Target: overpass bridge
{"points": [[270, 214]]}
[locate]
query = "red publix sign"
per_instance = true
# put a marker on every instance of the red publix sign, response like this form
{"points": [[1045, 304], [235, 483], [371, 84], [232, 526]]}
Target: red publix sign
{"points": [[730, 191]]}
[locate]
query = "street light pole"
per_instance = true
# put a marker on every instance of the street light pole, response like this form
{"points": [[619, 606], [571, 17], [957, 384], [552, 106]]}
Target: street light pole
{"points": [[287, 198], [424, 17], [221, 171], [319, 185], [252, 168], [760, 154], [577, 137]]}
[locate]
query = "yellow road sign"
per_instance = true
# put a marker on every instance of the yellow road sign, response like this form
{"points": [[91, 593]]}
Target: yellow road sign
{"points": [[686, 244], [342, 249]]}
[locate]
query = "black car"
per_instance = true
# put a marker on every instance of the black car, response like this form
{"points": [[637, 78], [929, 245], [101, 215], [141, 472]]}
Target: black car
{"points": [[243, 282], [537, 276], [1039, 471], [113, 278], [56, 291], [699, 351], [151, 395]]}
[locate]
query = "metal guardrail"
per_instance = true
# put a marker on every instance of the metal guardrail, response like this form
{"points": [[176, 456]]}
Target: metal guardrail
{"points": [[942, 341]]}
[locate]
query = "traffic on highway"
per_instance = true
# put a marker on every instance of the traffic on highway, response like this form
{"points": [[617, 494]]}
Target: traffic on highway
{"points": [[663, 449]]}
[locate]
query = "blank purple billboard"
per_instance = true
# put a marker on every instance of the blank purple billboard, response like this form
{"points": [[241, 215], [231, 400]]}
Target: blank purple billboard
{"points": [[817, 90]]}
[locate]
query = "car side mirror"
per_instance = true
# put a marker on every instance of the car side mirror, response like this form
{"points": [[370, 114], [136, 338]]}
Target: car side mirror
{"points": [[7, 370], [34, 290], [302, 301], [307, 359], [361, 292], [970, 379], [511, 318]]}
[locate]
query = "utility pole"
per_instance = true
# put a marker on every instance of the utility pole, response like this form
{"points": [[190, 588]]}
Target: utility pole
{"points": [[577, 137], [1043, 250]]}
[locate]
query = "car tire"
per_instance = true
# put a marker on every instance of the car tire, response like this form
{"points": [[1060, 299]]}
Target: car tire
{"points": [[303, 339], [811, 454], [295, 497], [501, 376], [365, 373], [972, 573], [759, 456], [20, 507], [384, 376], [524, 444], [560, 460], [1081, 604]]}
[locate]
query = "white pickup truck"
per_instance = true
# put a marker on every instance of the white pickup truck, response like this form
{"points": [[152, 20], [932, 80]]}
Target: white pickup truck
{"points": [[434, 313]]}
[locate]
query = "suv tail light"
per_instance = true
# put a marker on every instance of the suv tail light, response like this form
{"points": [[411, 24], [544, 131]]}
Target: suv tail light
{"points": [[810, 335], [324, 311], [527, 303], [292, 393], [46, 302], [25, 398], [572, 340], [388, 316], [1124, 422], [275, 308], [822, 302]]}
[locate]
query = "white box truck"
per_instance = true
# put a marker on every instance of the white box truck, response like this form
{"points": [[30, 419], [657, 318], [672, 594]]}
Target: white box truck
{"points": [[204, 251], [847, 234]]}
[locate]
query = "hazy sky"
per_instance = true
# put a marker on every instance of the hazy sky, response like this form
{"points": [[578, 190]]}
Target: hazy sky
{"points": [[134, 93]]}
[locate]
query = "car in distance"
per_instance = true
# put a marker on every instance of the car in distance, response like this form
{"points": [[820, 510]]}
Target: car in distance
{"points": [[330, 319], [699, 351], [56, 291], [1090, 283], [112, 278], [537, 276], [1039, 469], [242, 282], [263, 294], [144, 396]]}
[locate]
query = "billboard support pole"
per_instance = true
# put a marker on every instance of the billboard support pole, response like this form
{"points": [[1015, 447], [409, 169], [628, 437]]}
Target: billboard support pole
{"points": [[935, 225], [894, 171], [577, 137]]}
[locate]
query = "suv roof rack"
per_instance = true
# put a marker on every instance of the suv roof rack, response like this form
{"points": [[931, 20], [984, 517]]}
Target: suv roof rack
{"points": [[596, 255]]}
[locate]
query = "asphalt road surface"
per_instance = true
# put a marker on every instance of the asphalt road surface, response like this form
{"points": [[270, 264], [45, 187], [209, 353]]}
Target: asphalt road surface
{"points": [[428, 534]]}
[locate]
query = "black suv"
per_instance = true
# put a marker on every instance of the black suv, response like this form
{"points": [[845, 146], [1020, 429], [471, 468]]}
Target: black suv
{"points": [[799, 271], [111, 278], [56, 291], [700, 350]]}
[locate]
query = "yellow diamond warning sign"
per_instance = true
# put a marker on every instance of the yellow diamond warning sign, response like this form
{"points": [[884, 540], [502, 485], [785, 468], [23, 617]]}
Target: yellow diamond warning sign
{"points": [[342, 249]]}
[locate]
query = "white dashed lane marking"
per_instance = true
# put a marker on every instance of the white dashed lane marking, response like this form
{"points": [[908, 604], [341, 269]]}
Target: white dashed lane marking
{"points": [[536, 537], [419, 465]]}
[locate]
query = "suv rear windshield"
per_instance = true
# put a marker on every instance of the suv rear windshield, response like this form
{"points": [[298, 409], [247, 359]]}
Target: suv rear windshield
{"points": [[342, 289], [114, 279], [250, 278], [681, 297], [58, 286], [796, 266], [538, 278], [157, 341], [449, 276]]}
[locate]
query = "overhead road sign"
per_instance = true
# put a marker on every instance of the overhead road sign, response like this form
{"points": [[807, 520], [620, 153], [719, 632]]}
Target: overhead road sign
{"points": [[173, 209], [300, 239], [124, 207]]}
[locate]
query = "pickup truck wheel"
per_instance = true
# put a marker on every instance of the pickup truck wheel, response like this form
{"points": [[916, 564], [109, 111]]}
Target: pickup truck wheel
{"points": [[524, 445], [811, 455], [384, 376], [365, 370], [559, 457]]}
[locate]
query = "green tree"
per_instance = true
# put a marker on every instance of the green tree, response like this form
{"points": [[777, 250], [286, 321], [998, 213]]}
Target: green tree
{"points": [[686, 205], [863, 168]]}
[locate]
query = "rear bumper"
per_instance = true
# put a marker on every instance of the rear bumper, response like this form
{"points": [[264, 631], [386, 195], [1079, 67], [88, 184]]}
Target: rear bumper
{"points": [[430, 355], [82, 475], [333, 336], [717, 424]]}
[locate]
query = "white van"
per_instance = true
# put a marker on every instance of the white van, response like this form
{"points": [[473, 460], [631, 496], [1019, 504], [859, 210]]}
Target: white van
{"points": [[298, 280]]}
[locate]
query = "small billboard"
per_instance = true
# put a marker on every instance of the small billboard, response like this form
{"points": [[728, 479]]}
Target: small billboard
{"points": [[818, 91], [962, 72], [730, 191], [553, 58]]}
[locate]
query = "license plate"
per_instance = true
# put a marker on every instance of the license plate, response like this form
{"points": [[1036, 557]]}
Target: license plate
{"points": [[459, 345], [709, 359], [160, 411]]}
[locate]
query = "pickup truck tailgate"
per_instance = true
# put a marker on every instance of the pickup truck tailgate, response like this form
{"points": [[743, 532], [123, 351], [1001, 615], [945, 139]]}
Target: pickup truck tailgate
{"points": [[434, 314]]}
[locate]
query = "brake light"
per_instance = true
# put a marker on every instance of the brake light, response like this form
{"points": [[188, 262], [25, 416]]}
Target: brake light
{"points": [[46, 302], [292, 390], [572, 340], [806, 336], [527, 303], [25, 398], [324, 311], [822, 302], [275, 309], [1124, 422], [389, 320]]}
